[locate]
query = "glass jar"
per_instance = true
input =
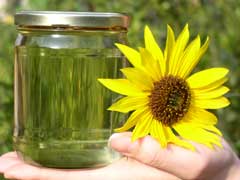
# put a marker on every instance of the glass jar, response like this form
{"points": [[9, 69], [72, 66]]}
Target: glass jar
{"points": [[61, 117]]}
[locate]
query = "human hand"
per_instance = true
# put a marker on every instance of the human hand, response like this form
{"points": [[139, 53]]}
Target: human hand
{"points": [[204, 164], [221, 164], [124, 169]]}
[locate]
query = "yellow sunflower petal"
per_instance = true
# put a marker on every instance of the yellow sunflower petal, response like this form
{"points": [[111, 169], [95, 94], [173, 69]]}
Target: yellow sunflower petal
{"points": [[132, 55], [152, 46], [138, 77], [170, 42], [215, 103], [212, 86], [150, 64], [190, 66], [215, 93], [171, 137], [189, 57], [199, 135], [212, 129], [206, 77], [199, 116], [121, 86], [132, 120], [158, 133], [177, 50], [129, 103], [143, 126]]}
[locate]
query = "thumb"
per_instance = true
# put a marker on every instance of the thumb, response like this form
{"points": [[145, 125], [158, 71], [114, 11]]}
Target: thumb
{"points": [[173, 159], [145, 150]]}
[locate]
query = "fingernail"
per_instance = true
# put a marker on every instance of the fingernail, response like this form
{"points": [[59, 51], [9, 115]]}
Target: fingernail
{"points": [[114, 136], [120, 142]]}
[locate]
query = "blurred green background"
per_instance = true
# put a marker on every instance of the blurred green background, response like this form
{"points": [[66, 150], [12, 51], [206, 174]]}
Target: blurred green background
{"points": [[218, 19]]}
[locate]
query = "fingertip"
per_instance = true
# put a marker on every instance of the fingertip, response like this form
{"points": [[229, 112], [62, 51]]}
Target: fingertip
{"points": [[8, 175], [120, 141], [10, 172], [117, 136], [23, 171], [7, 162]]}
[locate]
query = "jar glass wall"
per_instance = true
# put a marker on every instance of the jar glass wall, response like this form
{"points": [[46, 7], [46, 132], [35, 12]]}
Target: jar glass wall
{"points": [[60, 108]]}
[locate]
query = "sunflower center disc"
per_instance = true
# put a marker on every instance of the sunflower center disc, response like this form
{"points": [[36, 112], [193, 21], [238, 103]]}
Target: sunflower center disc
{"points": [[170, 99]]}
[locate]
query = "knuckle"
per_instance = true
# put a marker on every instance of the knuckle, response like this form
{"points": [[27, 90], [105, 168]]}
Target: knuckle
{"points": [[199, 169], [156, 160]]}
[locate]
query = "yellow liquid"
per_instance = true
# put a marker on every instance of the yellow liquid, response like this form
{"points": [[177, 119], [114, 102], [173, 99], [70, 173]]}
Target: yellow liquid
{"points": [[60, 108]]}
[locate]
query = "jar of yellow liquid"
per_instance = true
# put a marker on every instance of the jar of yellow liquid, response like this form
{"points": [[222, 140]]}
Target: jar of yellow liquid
{"points": [[61, 119]]}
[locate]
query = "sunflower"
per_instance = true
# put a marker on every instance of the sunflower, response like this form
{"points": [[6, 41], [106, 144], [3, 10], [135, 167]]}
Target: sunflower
{"points": [[165, 101]]}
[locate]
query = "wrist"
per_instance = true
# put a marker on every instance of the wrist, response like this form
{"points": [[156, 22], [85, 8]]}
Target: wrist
{"points": [[230, 173], [234, 172]]}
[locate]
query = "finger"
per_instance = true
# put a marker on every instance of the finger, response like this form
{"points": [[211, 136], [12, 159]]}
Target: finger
{"points": [[119, 170], [120, 141], [8, 160], [173, 159], [10, 154], [23, 171], [128, 168]]}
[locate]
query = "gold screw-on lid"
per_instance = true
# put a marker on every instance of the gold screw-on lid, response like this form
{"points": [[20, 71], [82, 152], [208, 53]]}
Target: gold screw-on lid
{"points": [[66, 18]]}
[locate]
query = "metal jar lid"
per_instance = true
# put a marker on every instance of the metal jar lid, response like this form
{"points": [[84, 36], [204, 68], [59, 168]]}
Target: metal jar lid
{"points": [[67, 18]]}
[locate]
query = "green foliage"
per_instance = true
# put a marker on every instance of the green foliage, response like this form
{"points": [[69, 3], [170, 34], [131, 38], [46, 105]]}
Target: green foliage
{"points": [[6, 86], [218, 19]]}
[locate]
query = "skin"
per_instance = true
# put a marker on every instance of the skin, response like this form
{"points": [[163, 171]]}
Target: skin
{"points": [[203, 164], [124, 169], [145, 160]]}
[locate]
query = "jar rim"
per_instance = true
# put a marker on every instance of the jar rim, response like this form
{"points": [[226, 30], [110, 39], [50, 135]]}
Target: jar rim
{"points": [[71, 19]]}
